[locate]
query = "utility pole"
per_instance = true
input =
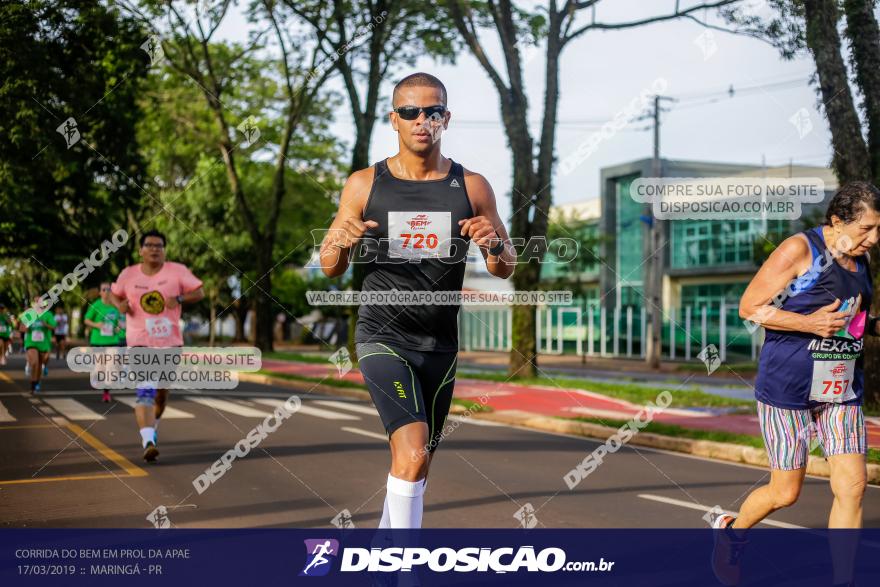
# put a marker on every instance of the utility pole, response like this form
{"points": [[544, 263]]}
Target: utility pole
{"points": [[654, 270]]}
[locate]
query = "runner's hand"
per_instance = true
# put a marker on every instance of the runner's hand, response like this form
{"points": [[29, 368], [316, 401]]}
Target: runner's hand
{"points": [[480, 230], [825, 321], [171, 302], [352, 229]]}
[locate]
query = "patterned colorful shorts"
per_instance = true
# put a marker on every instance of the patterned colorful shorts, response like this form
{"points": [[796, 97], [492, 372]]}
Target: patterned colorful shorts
{"points": [[788, 434]]}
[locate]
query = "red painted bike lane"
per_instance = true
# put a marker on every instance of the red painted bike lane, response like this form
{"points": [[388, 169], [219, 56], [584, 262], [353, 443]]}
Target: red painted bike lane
{"points": [[563, 402]]}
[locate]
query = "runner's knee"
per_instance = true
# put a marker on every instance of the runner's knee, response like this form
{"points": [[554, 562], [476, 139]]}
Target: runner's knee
{"points": [[410, 464], [785, 495], [850, 488]]}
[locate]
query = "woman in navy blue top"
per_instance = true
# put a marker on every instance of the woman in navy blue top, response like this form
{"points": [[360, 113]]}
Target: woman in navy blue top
{"points": [[813, 296]]}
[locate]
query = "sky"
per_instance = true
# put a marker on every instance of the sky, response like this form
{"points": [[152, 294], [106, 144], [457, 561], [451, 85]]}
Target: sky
{"points": [[603, 72]]}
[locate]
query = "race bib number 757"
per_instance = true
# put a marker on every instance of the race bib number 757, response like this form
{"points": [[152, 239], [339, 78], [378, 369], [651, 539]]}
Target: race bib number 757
{"points": [[419, 235], [832, 381]]}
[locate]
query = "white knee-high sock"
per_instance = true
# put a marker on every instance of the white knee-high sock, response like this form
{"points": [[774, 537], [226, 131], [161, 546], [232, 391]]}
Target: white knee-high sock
{"points": [[385, 522], [405, 503]]}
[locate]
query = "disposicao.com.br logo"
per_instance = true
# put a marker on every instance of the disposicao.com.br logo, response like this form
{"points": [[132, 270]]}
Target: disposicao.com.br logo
{"points": [[321, 552]]}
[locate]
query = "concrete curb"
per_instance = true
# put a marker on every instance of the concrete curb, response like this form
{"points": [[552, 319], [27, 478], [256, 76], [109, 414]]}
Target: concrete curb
{"points": [[722, 451]]}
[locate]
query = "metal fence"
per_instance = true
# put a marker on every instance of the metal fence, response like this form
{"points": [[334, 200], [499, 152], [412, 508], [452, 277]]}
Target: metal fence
{"points": [[619, 332]]}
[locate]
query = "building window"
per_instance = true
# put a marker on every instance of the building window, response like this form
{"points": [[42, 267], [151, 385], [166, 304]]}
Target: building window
{"points": [[628, 232], [712, 294], [702, 243]]}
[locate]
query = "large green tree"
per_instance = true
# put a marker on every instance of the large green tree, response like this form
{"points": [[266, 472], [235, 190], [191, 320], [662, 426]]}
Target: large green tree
{"points": [[60, 199], [186, 32], [196, 208]]}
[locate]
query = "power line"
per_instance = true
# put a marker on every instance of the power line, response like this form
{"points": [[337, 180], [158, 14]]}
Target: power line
{"points": [[683, 101]]}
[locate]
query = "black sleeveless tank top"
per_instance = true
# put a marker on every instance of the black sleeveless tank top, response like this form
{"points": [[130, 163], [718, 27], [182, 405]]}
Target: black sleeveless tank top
{"points": [[417, 247]]}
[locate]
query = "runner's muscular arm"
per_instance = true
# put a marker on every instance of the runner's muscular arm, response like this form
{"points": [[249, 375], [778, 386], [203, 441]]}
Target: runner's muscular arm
{"points": [[348, 225], [790, 259], [486, 222]]}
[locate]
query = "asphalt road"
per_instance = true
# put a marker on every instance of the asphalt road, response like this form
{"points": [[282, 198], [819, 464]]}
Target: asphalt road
{"points": [[68, 460]]}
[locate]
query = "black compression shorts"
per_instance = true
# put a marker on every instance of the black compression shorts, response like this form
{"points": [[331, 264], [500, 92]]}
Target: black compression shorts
{"points": [[409, 386]]}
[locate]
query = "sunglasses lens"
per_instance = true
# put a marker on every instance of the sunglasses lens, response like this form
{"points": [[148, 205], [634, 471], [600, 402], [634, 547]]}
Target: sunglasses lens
{"points": [[435, 112], [408, 112]]}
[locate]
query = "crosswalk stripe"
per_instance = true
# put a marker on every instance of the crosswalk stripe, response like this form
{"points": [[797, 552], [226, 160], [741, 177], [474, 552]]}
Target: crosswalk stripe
{"points": [[350, 406], [169, 413], [73, 410], [5, 416], [365, 433], [309, 410], [228, 406]]}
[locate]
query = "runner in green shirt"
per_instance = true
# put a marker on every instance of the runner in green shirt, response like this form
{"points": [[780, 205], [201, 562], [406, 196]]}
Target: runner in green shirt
{"points": [[37, 328], [7, 325], [103, 325]]}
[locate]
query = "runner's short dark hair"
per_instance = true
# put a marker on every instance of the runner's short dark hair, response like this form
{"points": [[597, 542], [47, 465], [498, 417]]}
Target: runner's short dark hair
{"points": [[850, 201], [152, 232], [419, 79]]}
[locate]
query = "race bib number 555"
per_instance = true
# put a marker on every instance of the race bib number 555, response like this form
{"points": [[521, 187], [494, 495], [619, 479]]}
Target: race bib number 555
{"points": [[419, 235], [832, 381], [158, 327]]}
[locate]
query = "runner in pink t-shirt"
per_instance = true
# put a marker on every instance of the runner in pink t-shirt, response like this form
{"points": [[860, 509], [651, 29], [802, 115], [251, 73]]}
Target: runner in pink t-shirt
{"points": [[153, 308], [151, 294]]}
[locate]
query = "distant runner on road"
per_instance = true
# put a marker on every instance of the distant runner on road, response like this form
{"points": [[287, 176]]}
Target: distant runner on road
{"points": [[151, 293], [61, 331], [36, 328], [7, 327], [103, 324]]}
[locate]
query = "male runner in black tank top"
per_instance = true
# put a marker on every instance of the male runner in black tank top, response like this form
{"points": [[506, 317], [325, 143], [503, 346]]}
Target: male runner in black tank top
{"points": [[417, 213]]}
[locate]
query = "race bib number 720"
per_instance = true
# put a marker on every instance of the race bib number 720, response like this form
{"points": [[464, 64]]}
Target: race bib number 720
{"points": [[832, 381], [419, 235]]}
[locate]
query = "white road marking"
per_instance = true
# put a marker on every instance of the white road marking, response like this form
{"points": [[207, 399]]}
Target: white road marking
{"points": [[228, 406], [366, 433], [5, 416], [703, 508], [73, 410], [169, 413], [350, 406], [309, 410]]}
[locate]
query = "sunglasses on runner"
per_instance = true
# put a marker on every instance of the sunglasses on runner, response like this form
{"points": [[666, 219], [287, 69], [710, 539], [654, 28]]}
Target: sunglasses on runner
{"points": [[412, 112]]}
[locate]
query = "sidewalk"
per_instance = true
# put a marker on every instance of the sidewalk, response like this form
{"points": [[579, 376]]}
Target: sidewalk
{"points": [[567, 403]]}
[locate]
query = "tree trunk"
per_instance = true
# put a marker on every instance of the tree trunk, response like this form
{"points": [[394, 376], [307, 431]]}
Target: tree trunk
{"points": [[524, 352], [851, 161], [263, 303], [241, 311], [212, 322], [864, 38]]}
